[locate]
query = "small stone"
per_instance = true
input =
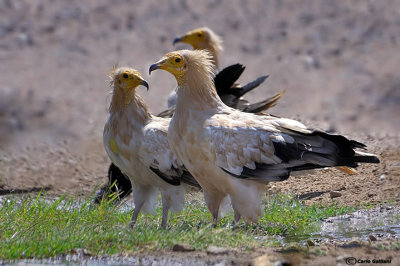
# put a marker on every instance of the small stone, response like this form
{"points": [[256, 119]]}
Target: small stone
{"points": [[214, 250], [81, 251], [25, 39], [310, 62], [335, 194], [310, 243], [183, 248], [372, 237]]}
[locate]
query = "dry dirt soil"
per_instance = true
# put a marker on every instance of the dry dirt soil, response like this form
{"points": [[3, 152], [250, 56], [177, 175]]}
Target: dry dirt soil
{"points": [[338, 62]]}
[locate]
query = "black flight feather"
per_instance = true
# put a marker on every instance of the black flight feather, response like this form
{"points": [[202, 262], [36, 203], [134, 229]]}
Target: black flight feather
{"points": [[314, 150]]}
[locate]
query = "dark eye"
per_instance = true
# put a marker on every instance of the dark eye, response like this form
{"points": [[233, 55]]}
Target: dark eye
{"points": [[199, 34], [177, 60], [125, 76]]}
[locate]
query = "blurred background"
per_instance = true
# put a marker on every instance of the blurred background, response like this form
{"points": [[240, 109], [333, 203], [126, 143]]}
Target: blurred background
{"points": [[338, 62]]}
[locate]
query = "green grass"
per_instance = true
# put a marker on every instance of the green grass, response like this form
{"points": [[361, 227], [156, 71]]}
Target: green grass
{"points": [[395, 245], [37, 228]]}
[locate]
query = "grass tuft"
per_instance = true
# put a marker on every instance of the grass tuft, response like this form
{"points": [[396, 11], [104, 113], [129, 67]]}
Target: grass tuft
{"points": [[35, 227]]}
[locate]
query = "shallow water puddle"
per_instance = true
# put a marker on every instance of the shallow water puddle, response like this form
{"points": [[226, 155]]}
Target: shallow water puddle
{"points": [[115, 260], [378, 222]]}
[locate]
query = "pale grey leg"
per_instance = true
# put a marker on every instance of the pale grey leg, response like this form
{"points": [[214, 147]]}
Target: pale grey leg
{"points": [[140, 195], [135, 215], [213, 204], [237, 217], [215, 218], [165, 206]]}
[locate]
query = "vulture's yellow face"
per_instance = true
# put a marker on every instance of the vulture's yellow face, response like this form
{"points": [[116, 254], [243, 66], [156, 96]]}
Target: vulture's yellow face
{"points": [[197, 38], [128, 79], [172, 62]]}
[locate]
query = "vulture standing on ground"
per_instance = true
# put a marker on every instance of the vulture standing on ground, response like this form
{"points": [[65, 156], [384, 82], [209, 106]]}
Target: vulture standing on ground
{"points": [[137, 143], [229, 92], [233, 153]]}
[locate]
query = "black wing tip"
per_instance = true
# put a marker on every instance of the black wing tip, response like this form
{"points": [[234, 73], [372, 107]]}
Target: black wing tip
{"points": [[114, 173], [187, 178], [237, 66], [173, 181], [366, 159], [263, 105], [251, 86], [264, 77], [258, 174], [332, 136], [118, 182]]}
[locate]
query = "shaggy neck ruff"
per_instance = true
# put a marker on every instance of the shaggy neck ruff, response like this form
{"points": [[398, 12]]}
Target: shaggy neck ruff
{"points": [[196, 90], [130, 106]]}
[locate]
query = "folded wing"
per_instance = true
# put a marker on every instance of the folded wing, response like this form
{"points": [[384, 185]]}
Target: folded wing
{"points": [[157, 155], [268, 149]]}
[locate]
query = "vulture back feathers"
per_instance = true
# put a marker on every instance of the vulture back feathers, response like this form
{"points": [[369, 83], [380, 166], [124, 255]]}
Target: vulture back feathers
{"points": [[233, 153]]}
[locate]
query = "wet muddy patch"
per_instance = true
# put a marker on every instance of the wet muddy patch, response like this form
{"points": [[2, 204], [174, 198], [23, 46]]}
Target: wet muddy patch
{"points": [[369, 225]]}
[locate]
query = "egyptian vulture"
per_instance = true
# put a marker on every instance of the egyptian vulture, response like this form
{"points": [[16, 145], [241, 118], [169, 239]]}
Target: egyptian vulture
{"points": [[229, 92], [118, 182], [137, 143], [233, 153]]}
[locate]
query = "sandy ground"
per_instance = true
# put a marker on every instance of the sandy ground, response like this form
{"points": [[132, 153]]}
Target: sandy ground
{"points": [[337, 61]]}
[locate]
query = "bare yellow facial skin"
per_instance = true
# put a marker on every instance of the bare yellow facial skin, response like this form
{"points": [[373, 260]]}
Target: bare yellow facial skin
{"points": [[196, 38], [129, 79], [172, 62], [126, 80]]}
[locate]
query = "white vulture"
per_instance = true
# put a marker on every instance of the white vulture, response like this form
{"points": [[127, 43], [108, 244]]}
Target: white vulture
{"points": [[137, 144], [225, 83], [233, 153], [118, 182]]}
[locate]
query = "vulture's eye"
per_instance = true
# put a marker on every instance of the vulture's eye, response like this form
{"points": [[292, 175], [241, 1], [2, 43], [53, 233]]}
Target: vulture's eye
{"points": [[177, 60], [125, 76], [199, 34]]}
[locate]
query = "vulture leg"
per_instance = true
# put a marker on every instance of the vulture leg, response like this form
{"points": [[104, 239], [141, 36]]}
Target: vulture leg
{"points": [[165, 208]]}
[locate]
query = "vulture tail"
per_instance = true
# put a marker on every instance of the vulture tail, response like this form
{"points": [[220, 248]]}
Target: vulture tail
{"points": [[250, 86], [308, 151], [321, 149], [263, 105], [226, 78]]}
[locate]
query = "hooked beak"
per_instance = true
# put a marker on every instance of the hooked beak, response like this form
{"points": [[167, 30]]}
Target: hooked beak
{"points": [[177, 40], [144, 83], [153, 67], [156, 66]]}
